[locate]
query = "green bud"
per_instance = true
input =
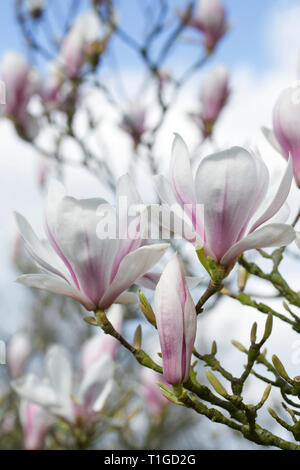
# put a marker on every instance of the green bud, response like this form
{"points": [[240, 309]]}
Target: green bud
{"points": [[137, 339], [272, 413], [243, 277], [216, 384], [265, 396], [214, 348], [268, 327], [239, 346], [253, 333], [280, 368], [147, 309]]}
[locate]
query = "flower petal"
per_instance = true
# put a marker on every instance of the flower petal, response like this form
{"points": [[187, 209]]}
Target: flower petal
{"points": [[270, 136], [132, 267], [32, 388], [224, 184], [280, 196], [267, 236], [56, 285]]}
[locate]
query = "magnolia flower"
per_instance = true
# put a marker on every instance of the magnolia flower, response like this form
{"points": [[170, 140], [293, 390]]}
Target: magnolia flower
{"points": [[133, 123], [80, 260], [225, 208], [21, 83], [76, 46], [57, 391], [210, 18], [213, 97], [151, 391], [286, 124], [35, 421], [176, 321], [18, 351], [101, 343]]}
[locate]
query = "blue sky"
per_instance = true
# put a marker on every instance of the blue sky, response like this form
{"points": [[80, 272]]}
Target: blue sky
{"points": [[244, 43]]}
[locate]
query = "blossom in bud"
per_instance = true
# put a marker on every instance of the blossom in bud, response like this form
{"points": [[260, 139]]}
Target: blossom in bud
{"points": [[76, 45], [35, 421], [225, 209], [133, 123], [210, 18], [21, 83], [81, 259], [213, 97], [58, 391], [151, 392], [285, 137], [176, 321], [18, 352], [99, 344]]}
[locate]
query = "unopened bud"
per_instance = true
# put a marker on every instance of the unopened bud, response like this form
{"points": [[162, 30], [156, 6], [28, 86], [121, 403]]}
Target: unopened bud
{"points": [[216, 384], [253, 333], [137, 339], [147, 309], [239, 346], [280, 368], [268, 327]]}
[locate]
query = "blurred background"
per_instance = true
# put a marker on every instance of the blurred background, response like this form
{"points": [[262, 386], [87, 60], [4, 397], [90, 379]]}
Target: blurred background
{"points": [[123, 115]]}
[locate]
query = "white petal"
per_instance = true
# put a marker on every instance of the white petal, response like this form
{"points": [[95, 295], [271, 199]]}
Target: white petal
{"points": [[181, 173], [280, 196], [95, 380], [270, 136], [132, 267], [47, 260], [59, 371], [55, 285], [267, 236], [102, 398], [127, 298], [32, 388]]}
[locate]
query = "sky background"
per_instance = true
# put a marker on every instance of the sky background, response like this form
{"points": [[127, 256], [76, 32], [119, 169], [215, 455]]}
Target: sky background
{"points": [[262, 54]]}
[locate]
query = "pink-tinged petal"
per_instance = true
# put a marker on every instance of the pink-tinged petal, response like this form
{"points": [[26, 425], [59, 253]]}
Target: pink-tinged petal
{"points": [[190, 328], [35, 422], [280, 197], [149, 280], [130, 221], [224, 184], [176, 322], [131, 268], [102, 398], [18, 352], [267, 236], [90, 257], [270, 136], [56, 285], [39, 251], [182, 182]]}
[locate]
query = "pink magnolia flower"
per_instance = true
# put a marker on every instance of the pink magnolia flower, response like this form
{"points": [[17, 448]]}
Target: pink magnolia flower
{"points": [[18, 352], [133, 123], [61, 395], [99, 344], [86, 29], [35, 421], [210, 18], [82, 261], [213, 97], [224, 209], [21, 83], [286, 124], [151, 391], [176, 322]]}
